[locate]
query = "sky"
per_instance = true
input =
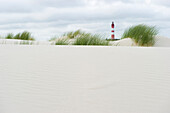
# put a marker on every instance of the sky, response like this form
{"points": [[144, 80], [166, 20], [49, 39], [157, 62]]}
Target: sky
{"points": [[49, 18]]}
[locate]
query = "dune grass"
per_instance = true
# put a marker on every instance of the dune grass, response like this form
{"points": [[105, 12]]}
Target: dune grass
{"points": [[21, 36], [142, 34], [17, 36], [62, 42], [90, 39], [9, 36], [80, 38], [73, 34], [26, 36]]}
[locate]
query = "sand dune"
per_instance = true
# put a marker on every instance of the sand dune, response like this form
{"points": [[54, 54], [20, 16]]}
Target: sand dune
{"points": [[160, 42], [123, 42], [23, 42], [83, 79]]}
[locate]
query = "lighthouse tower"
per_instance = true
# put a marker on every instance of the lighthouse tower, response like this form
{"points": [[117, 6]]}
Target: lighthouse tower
{"points": [[112, 31]]}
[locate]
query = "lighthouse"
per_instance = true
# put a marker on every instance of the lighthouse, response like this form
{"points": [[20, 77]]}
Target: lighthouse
{"points": [[112, 31]]}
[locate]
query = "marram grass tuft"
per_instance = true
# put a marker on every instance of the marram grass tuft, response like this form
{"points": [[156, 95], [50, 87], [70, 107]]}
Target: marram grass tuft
{"points": [[142, 34], [90, 39], [62, 42]]}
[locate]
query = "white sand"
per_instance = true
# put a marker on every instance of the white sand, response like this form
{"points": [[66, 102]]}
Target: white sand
{"points": [[123, 42], [22, 42], [69, 79], [160, 42]]}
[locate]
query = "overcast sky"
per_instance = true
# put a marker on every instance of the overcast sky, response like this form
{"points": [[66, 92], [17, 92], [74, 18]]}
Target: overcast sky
{"points": [[48, 18]]}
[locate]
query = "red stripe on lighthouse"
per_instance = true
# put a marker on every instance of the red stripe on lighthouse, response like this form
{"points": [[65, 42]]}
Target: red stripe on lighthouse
{"points": [[112, 35], [113, 25]]}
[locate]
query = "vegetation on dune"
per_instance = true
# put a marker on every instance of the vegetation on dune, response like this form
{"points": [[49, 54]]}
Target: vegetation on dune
{"points": [[80, 38], [26, 36], [142, 34], [61, 42], [17, 36], [89, 39], [68, 35], [21, 36], [9, 36], [74, 34]]}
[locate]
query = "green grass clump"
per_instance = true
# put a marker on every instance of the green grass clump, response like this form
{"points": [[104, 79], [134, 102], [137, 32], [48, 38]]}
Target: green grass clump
{"points": [[26, 36], [21, 36], [61, 42], [17, 36], [89, 39], [80, 38], [74, 34], [9, 36], [142, 34]]}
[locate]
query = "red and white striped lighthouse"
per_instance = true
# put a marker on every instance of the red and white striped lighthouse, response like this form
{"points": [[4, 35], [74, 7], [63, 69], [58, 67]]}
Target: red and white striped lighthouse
{"points": [[112, 31]]}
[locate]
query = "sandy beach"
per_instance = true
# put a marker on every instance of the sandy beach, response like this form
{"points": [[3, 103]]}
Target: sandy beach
{"points": [[84, 56], [84, 79]]}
